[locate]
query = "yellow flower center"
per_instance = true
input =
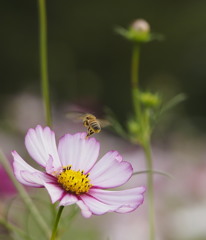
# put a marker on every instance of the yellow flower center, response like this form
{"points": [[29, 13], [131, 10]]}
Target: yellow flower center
{"points": [[74, 181]]}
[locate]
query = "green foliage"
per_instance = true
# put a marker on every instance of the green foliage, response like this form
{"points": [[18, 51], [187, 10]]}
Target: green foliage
{"points": [[116, 126], [149, 109], [173, 102], [146, 106]]}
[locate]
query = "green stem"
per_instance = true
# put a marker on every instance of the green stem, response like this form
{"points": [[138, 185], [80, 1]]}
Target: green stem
{"points": [[154, 172], [24, 196], [143, 134], [135, 66], [54, 231], [14, 229], [150, 190], [135, 85], [43, 60]]}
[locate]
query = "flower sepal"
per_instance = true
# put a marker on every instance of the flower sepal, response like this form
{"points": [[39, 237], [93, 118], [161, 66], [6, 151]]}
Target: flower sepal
{"points": [[139, 32]]}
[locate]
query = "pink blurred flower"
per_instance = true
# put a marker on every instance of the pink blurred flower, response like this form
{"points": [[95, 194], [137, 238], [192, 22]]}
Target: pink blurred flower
{"points": [[73, 176], [6, 185]]}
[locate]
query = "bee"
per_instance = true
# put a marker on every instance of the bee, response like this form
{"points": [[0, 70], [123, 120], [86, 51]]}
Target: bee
{"points": [[93, 124]]}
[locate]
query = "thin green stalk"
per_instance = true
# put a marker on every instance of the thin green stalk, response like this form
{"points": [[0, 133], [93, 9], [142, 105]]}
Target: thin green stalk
{"points": [[43, 60], [135, 66], [135, 79], [144, 135], [25, 196], [14, 229], [150, 190], [154, 172], [135, 83], [54, 231]]}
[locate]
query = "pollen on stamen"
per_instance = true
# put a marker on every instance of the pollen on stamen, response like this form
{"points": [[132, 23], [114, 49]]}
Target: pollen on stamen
{"points": [[74, 181]]}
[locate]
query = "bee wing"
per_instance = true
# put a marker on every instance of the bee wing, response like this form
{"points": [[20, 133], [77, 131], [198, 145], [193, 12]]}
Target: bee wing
{"points": [[76, 116], [104, 122]]}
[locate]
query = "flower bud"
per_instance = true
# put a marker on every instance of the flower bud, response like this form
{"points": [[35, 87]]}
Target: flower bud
{"points": [[139, 31], [140, 25], [133, 130], [150, 100]]}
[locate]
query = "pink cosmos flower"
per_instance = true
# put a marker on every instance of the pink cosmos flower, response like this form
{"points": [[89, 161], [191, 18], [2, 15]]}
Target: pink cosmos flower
{"points": [[6, 186], [72, 174]]}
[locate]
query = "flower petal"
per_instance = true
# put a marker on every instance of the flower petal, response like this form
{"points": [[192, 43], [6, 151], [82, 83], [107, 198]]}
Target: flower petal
{"points": [[110, 171], [68, 199], [49, 165], [36, 177], [40, 143], [95, 206], [124, 200], [20, 167], [55, 191], [78, 151], [101, 201], [84, 209]]}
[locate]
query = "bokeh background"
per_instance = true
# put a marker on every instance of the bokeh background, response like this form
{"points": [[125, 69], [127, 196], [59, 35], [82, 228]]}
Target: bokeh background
{"points": [[87, 59], [89, 67]]}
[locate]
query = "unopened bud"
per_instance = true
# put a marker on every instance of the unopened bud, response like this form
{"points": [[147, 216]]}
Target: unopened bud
{"points": [[140, 25], [139, 32], [133, 126], [150, 100]]}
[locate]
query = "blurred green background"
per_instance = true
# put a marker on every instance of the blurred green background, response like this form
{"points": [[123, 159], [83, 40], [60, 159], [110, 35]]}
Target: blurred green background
{"points": [[90, 64]]}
